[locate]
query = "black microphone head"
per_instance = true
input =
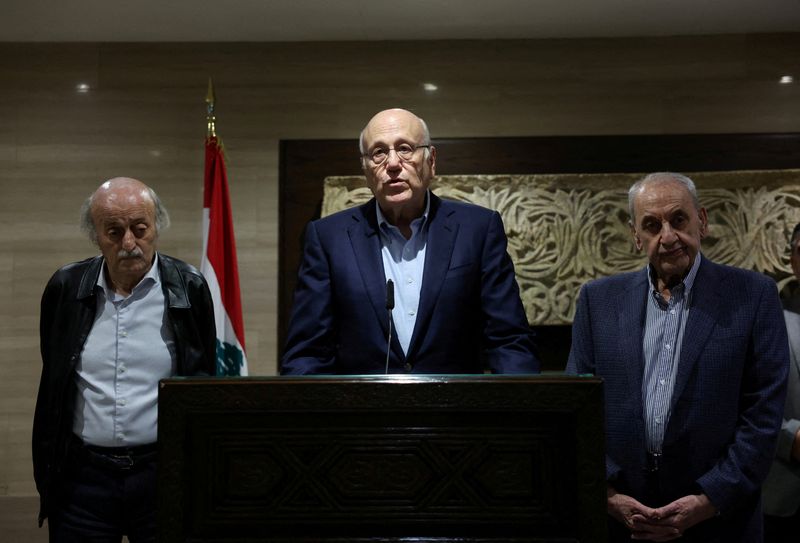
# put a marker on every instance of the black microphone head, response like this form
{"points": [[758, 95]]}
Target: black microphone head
{"points": [[389, 295]]}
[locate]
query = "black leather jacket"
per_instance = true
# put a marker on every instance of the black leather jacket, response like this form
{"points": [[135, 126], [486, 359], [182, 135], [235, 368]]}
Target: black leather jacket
{"points": [[69, 304]]}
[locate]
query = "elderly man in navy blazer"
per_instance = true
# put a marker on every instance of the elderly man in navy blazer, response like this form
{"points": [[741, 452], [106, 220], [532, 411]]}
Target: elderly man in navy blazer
{"points": [[694, 356], [406, 283]]}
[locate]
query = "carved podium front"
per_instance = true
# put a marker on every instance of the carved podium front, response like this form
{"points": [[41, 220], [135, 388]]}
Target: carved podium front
{"points": [[500, 459]]}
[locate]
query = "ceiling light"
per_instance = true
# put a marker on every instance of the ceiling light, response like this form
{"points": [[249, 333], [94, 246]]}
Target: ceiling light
{"points": [[430, 87], [83, 88], [786, 80]]}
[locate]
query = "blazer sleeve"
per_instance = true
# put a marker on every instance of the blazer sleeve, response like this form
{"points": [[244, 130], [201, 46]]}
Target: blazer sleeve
{"points": [[203, 315], [310, 341], [42, 432], [791, 422], [581, 352], [581, 357], [742, 468], [509, 339]]}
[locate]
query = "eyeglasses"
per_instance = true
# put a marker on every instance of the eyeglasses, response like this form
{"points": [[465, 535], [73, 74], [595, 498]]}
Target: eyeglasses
{"points": [[405, 152]]}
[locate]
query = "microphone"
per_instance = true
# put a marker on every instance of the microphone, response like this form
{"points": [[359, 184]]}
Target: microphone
{"points": [[389, 307], [389, 295]]}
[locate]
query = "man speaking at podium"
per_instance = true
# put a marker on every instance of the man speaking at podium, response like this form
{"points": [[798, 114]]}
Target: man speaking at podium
{"points": [[406, 283]]}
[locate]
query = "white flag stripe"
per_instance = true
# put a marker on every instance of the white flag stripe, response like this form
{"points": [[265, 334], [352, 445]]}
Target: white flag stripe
{"points": [[224, 328]]}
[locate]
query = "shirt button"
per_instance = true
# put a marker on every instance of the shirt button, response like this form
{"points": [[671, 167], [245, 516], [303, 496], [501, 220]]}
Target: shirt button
{"points": [[412, 313], [667, 347], [122, 402], [658, 420], [409, 280], [124, 333], [672, 311], [122, 369], [661, 382], [407, 367]]}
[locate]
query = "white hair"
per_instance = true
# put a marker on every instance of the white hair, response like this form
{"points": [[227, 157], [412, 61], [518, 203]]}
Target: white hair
{"points": [[87, 221], [658, 178]]}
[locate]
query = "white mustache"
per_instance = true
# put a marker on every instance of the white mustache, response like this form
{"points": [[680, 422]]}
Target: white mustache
{"points": [[135, 253]]}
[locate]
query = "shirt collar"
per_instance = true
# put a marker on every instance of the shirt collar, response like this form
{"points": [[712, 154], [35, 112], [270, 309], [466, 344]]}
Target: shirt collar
{"points": [[152, 277], [687, 282], [419, 220]]}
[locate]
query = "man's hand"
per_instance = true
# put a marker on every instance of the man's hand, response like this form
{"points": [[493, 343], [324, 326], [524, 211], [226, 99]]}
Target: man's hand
{"points": [[662, 524], [623, 507], [684, 513], [636, 516]]}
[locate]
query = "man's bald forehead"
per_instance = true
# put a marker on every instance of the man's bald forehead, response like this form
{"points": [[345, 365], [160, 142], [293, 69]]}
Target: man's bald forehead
{"points": [[386, 117], [121, 183], [119, 188]]}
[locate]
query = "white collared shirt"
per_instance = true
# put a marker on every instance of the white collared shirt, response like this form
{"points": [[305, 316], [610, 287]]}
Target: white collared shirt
{"points": [[404, 263], [129, 349]]}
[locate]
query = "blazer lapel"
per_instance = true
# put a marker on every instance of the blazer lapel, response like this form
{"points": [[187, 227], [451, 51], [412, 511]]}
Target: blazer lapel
{"points": [[366, 244], [442, 231], [630, 318], [705, 306]]}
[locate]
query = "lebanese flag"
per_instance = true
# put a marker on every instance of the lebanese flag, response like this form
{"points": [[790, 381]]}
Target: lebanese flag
{"points": [[219, 263]]}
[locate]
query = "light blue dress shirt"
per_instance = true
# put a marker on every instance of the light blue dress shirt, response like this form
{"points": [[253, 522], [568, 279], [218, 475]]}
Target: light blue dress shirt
{"points": [[404, 263], [663, 338], [129, 349]]}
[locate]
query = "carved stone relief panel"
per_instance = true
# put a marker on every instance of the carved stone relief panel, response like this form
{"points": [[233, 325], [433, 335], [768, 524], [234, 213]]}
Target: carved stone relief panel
{"points": [[566, 229]]}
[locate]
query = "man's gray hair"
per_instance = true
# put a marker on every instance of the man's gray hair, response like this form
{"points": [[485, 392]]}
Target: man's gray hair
{"points": [[426, 140], [87, 222], [661, 177]]}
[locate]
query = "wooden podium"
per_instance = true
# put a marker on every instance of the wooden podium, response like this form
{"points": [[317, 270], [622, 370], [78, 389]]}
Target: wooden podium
{"points": [[382, 459]]}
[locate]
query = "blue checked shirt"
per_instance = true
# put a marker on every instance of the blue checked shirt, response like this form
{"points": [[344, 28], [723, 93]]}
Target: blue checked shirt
{"points": [[403, 263], [130, 347], [663, 338]]}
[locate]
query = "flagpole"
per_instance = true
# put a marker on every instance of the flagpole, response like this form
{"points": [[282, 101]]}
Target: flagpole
{"points": [[211, 120], [218, 264]]}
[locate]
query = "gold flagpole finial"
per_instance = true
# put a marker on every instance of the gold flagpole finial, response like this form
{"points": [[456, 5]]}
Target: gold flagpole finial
{"points": [[211, 129]]}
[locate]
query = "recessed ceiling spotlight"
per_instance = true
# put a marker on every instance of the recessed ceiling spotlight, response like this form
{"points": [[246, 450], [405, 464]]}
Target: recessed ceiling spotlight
{"points": [[430, 87], [786, 80], [83, 88]]}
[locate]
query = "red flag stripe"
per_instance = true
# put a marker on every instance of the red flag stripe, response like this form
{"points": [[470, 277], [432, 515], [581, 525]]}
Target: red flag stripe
{"points": [[221, 245]]}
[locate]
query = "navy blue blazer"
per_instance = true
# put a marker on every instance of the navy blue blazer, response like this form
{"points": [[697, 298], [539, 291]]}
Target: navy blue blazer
{"points": [[729, 391], [470, 316]]}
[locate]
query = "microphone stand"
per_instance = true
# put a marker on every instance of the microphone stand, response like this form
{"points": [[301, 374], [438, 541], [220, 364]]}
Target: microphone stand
{"points": [[389, 307]]}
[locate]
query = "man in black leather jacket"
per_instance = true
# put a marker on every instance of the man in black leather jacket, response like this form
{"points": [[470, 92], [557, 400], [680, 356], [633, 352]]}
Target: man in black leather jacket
{"points": [[111, 327]]}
